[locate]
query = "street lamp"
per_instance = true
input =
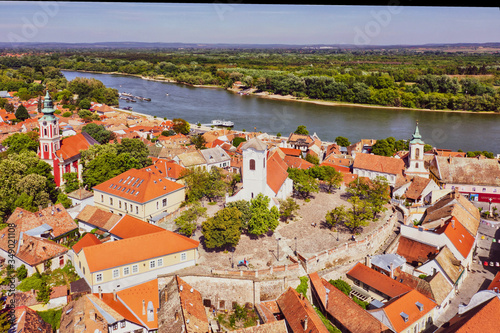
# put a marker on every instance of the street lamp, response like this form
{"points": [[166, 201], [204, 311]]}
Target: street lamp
{"points": [[337, 234], [278, 246], [232, 257], [295, 246]]}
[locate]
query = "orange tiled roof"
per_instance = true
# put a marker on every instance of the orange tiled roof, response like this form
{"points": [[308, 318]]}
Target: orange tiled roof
{"points": [[407, 303], [414, 251], [130, 226], [71, 146], [116, 306], [378, 163], [297, 162], [28, 320], [291, 151], [134, 297], [87, 240], [418, 184], [495, 283], [98, 217], [103, 256], [339, 168], [139, 185], [377, 281], [172, 169], [458, 235], [276, 172], [36, 250], [295, 309], [192, 307]]}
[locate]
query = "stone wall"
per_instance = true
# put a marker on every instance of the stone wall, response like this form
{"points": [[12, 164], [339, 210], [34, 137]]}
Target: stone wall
{"points": [[351, 251]]}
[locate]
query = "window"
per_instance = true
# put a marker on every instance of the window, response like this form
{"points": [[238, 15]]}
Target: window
{"points": [[116, 273], [131, 208], [83, 270], [80, 264], [417, 154], [484, 189], [157, 205], [160, 262], [137, 209], [119, 204], [152, 264], [135, 268], [164, 202], [61, 261], [122, 324], [473, 189], [46, 147], [416, 165], [183, 256], [45, 131], [252, 164], [111, 201], [115, 326], [102, 198], [98, 277]]}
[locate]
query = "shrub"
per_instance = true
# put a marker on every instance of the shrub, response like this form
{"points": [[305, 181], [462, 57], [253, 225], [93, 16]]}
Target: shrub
{"points": [[67, 114], [303, 286], [341, 285]]}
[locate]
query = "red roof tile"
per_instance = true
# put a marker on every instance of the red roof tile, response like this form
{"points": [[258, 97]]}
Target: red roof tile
{"points": [[298, 163], [458, 235], [72, 145], [291, 151], [495, 283], [414, 251], [378, 163], [138, 297], [130, 226], [276, 172], [192, 307], [87, 240]]}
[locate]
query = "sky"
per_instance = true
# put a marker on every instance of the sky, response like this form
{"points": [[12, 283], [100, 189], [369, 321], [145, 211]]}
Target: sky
{"points": [[237, 23]]}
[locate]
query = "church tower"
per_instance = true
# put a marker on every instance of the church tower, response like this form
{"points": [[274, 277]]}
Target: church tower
{"points": [[254, 167], [416, 156], [50, 138]]}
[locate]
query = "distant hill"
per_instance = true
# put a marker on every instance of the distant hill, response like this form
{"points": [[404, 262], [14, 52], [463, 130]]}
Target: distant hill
{"points": [[147, 45]]}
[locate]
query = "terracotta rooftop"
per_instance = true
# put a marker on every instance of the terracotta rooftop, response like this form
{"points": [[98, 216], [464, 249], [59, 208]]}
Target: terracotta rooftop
{"points": [[137, 298], [72, 145], [80, 194], [416, 187], [34, 250], [378, 163], [449, 264], [413, 304], [276, 172], [296, 310], [495, 283], [414, 251], [87, 240], [291, 151], [140, 185], [350, 316], [129, 226], [98, 217], [103, 256], [469, 171], [377, 281], [28, 320], [458, 235], [297, 163], [191, 159], [192, 307]]}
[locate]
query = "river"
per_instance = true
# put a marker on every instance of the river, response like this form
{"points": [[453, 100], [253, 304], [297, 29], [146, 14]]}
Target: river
{"points": [[446, 130]]}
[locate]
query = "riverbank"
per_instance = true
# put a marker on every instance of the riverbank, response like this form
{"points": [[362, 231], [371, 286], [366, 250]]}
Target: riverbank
{"points": [[289, 98]]}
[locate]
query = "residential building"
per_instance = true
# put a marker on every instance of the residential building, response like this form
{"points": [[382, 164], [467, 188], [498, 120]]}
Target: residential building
{"points": [[27, 320], [372, 166], [475, 178], [263, 173], [191, 160], [408, 313], [341, 310], [299, 314], [417, 191], [146, 194], [181, 309], [141, 259], [216, 157]]}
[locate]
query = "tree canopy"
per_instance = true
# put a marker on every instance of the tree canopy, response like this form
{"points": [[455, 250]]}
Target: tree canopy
{"points": [[301, 129], [21, 113], [204, 184], [342, 141], [223, 229], [262, 218], [18, 142], [181, 126], [98, 132]]}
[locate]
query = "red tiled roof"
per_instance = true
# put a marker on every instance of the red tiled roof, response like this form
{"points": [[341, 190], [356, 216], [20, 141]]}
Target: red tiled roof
{"points": [[296, 310], [87, 240], [291, 151], [172, 169], [139, 185], [28, 320], [130, 226], [133, 299], [495, 283], [98, 217], [71, 146], [415, 251], [378, 163], [103, 256], [35, 250], [118, 307], [192, 307], [339, 168], [418, 184], [297, 163], [458, 235], [276, 172], [377, 281]]}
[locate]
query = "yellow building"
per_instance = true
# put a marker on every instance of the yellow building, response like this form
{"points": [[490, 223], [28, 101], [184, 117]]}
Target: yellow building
{"points": [[145, 194], [127, 262]]}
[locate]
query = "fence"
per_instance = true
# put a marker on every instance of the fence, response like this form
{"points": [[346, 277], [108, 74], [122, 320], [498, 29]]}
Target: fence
{"points": [[273, 270]]}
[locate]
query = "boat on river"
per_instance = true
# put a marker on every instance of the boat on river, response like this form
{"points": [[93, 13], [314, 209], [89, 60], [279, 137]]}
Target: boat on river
{"points": [[224, 123]]}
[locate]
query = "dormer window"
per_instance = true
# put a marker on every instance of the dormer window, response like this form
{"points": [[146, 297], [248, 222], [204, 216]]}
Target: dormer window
{"points": [[420, 306], [404, 316]]}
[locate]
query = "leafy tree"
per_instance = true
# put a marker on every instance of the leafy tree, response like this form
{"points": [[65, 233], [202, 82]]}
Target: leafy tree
{"points": [[359, 214], [168, 133], [233, 182], [52, 317], [312, 159], [288, 209], [84, 104], [303, 183], [9, 108], [427, 147], [44, 292], [204, 184], [375, 192], [5, 323], [301, 129], [342, 141], [181, 126], [3, 102], [336, 216], [263, 219], [71, 182], [67, 114], [303, 286], [244, 207], [64, 200], [223, 229], [21, 113], [238, 140], [22, 272], [98, 132], [21, 141], [341, 285], [198, 141], [383, 147], [186, 222], [329, 175]]}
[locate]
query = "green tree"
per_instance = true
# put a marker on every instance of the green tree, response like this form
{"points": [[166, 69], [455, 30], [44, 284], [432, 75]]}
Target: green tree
{"points": [[238, 140], [181, 126], [233, 182], [71, 182], [223, 229], [329, 175], [43, 294], [341, 285], [84, 104], [98, 132], [312, 159], [198, 141], [263, 219], [359, 214], [204, 184], [21, 141], [342, 141], [9, 108], [303, 183], [303, 286], [64, 200], [288, 209], [186, 222], [21, 113], [336, 216], [244, 207], [5, 323], [383, 147], [22, 272], [168, 133], [301, 129]]}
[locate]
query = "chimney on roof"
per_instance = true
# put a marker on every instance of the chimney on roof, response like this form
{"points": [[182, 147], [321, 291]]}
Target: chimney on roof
{"points": [[191, 290], [391, 265], [368, 262], [143, 307], [305, 323], [100, 292], [453, 223], [114, 295]]}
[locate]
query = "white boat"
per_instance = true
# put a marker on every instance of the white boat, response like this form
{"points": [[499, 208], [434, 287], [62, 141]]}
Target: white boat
{"points": [[216, 122], [227, 123]]}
